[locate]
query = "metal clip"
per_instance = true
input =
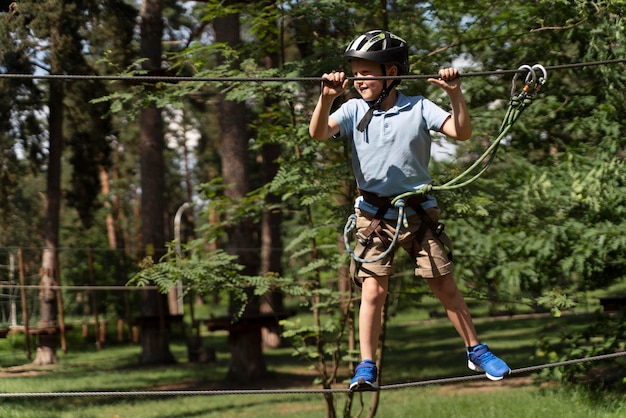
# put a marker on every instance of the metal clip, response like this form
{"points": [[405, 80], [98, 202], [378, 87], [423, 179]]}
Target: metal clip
{"points": [[542, 79], [363, 240], [532, 82], [528, 82]]}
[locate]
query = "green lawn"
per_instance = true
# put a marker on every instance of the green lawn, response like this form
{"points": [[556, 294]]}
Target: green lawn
{"points": [[417, 349]]}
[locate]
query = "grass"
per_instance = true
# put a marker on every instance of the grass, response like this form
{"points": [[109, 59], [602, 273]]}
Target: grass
{"points": [[457, 401], [417, 349]]}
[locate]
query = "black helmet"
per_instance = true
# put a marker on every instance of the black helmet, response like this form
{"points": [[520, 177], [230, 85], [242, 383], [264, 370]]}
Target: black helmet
{"points": [[380, 46]]}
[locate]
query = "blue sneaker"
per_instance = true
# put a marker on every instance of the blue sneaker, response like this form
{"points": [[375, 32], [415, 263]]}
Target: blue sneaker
{"points": [[365, 376], [481, 359]]}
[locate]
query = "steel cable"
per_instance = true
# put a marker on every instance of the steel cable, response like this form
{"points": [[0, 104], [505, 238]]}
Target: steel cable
{"points": [[178, 79], [441, 381]]}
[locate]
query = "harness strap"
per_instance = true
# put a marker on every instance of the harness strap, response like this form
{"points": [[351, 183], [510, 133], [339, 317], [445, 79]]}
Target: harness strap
{"points": [[374, 226], [415, 203], [436, 227], [365, 237], [383, 204], [386, 202]]}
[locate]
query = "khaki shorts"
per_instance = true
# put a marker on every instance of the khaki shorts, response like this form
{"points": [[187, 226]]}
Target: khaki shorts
{"points": [[431, 258]]}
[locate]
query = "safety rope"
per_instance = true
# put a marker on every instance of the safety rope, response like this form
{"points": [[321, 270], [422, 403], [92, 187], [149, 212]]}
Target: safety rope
{"points": [[517, 104], [442, 381], [351, 225]]}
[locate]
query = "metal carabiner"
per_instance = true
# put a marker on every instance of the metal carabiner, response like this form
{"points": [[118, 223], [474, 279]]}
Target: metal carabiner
{"points": [[528, 81], [541, 80]]}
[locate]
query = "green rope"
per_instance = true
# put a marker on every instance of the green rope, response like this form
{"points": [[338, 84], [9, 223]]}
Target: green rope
{"points": [[517, 104]]}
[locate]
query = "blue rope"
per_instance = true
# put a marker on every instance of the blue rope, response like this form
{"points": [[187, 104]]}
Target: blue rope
{"points": [[351, 225]]}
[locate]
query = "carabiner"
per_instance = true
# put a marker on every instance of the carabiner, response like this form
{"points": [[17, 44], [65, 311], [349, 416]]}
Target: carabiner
{"points": [[542, 80], [529, 80]]}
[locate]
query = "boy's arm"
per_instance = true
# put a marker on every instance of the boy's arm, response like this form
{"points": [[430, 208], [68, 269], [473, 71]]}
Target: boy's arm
{"points": [[459, 126], [321, 126]]}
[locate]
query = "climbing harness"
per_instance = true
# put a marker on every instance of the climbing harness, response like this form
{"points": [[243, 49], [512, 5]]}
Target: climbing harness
{"points": [[536, 77]]}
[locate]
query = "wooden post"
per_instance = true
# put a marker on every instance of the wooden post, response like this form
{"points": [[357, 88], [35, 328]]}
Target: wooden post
{"points": [[57, 273], [94, 304], [120, 330], [20, 257]]}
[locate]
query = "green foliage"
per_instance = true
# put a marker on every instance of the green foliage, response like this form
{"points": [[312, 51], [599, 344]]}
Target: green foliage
{"points": [[557, 300], [562, 229], [322, 343], [200, 271], [603, 335], [544, 222]]}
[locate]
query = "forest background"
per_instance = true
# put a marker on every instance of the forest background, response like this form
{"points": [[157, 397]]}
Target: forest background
{"points": [[99, 167]]}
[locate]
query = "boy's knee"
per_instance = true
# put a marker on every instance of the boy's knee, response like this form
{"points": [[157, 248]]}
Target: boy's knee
{"points": [[374, 290], [444, 286]]}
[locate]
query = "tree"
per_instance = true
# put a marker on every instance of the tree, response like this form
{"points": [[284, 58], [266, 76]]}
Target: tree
{"points": [[246, 352], [73, 130], [264, 24], [532, 207], [155, 329]]}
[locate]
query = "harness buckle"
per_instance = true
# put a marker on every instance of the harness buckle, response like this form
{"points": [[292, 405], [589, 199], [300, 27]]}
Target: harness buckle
{"points": [[363, 240]]}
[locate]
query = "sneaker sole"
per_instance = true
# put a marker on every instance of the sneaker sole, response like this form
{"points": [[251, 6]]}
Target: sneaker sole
{"points": [[363, 385], [478, 369]]}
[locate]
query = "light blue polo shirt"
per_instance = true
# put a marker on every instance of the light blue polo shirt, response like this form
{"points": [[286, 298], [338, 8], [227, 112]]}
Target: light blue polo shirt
{"points": [[391, 156]]}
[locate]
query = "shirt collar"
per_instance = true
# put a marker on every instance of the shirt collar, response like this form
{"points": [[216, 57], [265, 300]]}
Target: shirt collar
{"points": [[402, 102]]}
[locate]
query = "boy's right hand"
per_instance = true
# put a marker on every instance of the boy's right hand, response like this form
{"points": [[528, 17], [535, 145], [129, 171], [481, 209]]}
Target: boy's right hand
{"points": [[333, 84]]}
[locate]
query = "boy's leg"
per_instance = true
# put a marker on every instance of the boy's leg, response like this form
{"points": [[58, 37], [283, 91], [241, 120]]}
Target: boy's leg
{"points": [[373, 297], [446, 290], [479, 357]]}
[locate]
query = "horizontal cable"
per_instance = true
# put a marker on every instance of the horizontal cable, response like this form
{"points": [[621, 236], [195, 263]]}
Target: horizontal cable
{"points": [[513, 371], [291, 391], [175, 79], [70, 287]]}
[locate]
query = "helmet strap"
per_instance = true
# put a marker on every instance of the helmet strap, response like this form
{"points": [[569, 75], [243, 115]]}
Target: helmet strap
{"points": [[365, 121]]}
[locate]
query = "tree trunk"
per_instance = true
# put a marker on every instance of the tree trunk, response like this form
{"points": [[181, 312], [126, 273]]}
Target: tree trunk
{"points": [[48, 338], [246, 352], [247, 361], [271, 228], [155, 327], [109, 219], [46, 352]]}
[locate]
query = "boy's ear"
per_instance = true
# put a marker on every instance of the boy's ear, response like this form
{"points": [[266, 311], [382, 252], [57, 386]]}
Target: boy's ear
{"points": [[392, 70]]}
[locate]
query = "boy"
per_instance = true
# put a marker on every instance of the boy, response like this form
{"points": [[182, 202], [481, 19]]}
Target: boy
{"points": [[391, 143]]}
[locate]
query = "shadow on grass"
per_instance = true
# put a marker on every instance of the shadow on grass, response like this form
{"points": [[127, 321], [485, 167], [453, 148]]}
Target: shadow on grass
{"points": [[229, 403]]}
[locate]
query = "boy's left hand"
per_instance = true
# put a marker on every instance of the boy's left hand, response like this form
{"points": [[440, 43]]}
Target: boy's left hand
{"points": [[448, 80]]}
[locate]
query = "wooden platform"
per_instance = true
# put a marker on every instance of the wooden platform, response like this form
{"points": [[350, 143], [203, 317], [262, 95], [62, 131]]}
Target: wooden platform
{"points": [[613, 303], [156, 319], [246, 323], [33, 330]]}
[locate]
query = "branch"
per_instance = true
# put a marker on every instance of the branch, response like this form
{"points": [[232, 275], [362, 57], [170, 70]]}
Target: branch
{"points": [[555, 28]]}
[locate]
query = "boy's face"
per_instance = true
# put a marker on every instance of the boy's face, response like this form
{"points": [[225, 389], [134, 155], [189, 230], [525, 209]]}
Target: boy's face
{"points": [[370, 89]]}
